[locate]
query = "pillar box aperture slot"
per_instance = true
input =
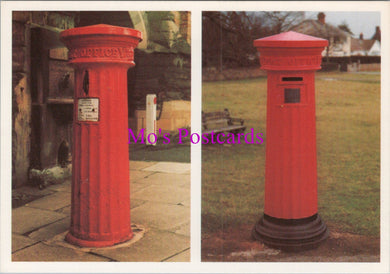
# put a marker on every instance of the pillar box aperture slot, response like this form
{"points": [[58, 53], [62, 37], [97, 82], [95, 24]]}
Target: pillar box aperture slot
{"points": [[290, 219], [100, 210]]}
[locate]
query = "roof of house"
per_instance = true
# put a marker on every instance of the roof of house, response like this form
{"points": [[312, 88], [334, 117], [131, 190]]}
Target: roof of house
{"points": [[361, 44], [318, 29]]}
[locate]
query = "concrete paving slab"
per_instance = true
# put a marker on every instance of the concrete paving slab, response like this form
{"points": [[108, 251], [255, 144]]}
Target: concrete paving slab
{"points": [[134, 187], [179, 180], [65, 186], [184, 256], [25, 219], [160, 201], [135, 175], [156, 246], [136, 203], [59, 240], [19, 242], [163, 194], [170, 167], [52, 202], [183, 229], [43, 252], [51, 230], [65, 210], [139, 165], [161, 216], [186, 203]]}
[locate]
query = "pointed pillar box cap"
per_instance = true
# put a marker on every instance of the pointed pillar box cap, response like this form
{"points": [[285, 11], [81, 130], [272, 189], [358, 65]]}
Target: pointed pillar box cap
{"points": [[101, 43], [290, 39], [290, 51]]}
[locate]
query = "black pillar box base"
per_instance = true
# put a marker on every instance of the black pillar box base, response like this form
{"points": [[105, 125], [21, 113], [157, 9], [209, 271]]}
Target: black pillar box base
{"points": [[291, 234]]}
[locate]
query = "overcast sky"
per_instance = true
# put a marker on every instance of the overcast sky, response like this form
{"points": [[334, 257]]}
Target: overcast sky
{"points": [[358, 22]]}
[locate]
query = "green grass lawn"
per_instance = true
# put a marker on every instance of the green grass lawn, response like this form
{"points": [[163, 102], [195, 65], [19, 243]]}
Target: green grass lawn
{"points": [[348, 149], [172, 152]]}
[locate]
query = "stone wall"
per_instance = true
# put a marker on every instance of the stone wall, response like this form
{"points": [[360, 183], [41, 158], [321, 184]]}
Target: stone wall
{"points": [[185, 26], [21, 99], [22, 22], [165, 66], [164, 69], [158, 72]]}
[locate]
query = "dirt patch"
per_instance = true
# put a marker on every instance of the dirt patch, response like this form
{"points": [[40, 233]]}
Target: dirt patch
{"points": [[237, 245]]}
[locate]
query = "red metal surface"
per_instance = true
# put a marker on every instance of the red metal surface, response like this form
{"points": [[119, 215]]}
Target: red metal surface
{"points": [[282, 53], [291, 163], [291, 39], [100, 211]]}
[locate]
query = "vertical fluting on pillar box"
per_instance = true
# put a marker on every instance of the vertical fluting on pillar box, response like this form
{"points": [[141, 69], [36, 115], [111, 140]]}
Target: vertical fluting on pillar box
{"points": [[290, 220], [100, 210]]}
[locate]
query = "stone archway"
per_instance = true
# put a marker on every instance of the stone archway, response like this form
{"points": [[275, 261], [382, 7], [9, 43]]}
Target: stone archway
{"points": [[138, 19]]}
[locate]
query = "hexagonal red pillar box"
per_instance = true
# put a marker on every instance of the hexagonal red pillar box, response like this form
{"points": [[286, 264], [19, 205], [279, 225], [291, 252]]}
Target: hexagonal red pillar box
{"points": [[101, 56], [290, 219]]}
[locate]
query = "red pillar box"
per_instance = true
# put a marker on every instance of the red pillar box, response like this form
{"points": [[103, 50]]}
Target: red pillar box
{"points": [[290, 219], [101, 56]]}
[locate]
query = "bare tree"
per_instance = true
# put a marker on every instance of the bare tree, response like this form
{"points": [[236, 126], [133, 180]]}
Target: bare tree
{"points": [[344, 26], [283, 20], [227, 37]]}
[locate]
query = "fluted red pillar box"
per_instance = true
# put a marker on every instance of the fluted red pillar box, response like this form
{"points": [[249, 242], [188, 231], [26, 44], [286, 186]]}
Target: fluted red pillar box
{"points": [[290, 219], [100, 210]]}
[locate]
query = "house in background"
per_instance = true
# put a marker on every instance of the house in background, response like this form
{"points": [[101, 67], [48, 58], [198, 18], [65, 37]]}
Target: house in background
{"points": [[366, 53], [366, 47], [344, 52], [339, 40]]}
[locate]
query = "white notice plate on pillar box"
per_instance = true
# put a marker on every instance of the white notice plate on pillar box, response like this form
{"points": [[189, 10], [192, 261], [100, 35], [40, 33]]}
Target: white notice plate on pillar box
{"points": [[88, 109]]}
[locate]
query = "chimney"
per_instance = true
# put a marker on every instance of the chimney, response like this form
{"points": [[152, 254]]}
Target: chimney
{"points": [[321, 18], [361, 36], [377, 35]]}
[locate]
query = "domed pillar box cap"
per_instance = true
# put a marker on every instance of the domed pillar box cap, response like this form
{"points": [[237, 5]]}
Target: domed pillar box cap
{"points": [[101, 44], [290, 51]]}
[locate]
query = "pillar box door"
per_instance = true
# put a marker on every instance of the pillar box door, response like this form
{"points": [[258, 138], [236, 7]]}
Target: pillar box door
{"points": [[290, 219], [100, 210]]}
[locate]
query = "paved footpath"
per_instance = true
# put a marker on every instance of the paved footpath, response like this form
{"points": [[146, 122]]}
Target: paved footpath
{"points": [[160, 212]]}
